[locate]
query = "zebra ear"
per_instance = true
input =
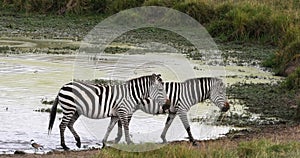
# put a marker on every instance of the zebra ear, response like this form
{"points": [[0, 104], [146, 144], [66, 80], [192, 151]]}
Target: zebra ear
{"points": [[153, 77], [221, 83], [159, 77]]}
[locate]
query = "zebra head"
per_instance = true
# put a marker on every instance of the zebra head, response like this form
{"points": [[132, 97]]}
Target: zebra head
{"points": [[218, 95], [150, 86], [158, 94]]}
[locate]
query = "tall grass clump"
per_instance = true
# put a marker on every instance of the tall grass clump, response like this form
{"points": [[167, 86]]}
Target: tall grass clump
{"points": [[288, 54], [247, 22], [115, 6], [220, 27], [199, 10]]}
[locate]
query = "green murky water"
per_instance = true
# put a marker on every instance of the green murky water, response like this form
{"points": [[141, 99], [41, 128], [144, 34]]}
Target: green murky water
{"points": [[28, 78]]}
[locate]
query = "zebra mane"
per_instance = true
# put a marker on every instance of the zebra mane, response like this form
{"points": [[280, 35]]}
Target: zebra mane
{"points": [[151, 77], [137, 78], [201, 78]]}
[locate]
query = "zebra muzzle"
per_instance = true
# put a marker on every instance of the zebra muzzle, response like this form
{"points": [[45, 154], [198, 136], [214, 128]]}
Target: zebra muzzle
{"points": [[168, 102], [167, 105], [226, 107]]}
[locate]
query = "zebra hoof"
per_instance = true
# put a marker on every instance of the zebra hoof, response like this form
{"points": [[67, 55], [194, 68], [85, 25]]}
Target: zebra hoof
{"points": [[164, 140], [117, 140], [78, 144], [103, 146], [65, 147]]}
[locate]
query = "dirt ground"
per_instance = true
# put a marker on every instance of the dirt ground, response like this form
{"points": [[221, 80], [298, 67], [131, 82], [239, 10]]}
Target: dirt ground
{"points": [[278, 133]]}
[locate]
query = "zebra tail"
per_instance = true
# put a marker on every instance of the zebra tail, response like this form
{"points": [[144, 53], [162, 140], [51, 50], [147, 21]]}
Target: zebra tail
{"points": [[53, 115]]}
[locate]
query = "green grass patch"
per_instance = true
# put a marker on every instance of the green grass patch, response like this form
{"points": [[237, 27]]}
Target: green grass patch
{"points": [[267, 149], [251, 149]]}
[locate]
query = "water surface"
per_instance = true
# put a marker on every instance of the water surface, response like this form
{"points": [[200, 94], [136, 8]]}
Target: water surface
{"points": [[26, 79]]}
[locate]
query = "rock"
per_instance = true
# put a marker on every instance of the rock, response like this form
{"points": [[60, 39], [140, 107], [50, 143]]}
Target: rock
{"points": [[15, 32], [292, 66], [18, 152]]}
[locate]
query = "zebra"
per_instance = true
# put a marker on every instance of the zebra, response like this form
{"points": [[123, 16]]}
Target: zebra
{"points": [[182, 96], [159, 105], [98, 101]]}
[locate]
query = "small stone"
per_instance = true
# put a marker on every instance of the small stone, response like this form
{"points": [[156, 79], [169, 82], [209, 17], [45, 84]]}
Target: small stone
{"points": [[18, 152]]}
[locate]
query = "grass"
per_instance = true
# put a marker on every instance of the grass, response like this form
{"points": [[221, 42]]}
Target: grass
{"points": [[263, 148]]}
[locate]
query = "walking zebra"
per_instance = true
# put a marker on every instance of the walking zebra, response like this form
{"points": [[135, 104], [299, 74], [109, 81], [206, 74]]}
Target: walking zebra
{"points": [[158, 105], [98, 101], [182, 96]]}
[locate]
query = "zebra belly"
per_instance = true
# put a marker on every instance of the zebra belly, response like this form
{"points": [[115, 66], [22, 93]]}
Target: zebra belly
{"points": [[95, 111], [94, 116]]}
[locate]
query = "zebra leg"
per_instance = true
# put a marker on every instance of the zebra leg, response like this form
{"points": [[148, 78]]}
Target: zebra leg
{"points": [[125, 122], [184, 120], [169, 121], [70, 126], [113, 121], [119, 135], [62, 127], [127, 136]]}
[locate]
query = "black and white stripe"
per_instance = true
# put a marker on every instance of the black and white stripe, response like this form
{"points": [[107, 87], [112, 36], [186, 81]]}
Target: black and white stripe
{"points": [[98, 101], [183, 95]]}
